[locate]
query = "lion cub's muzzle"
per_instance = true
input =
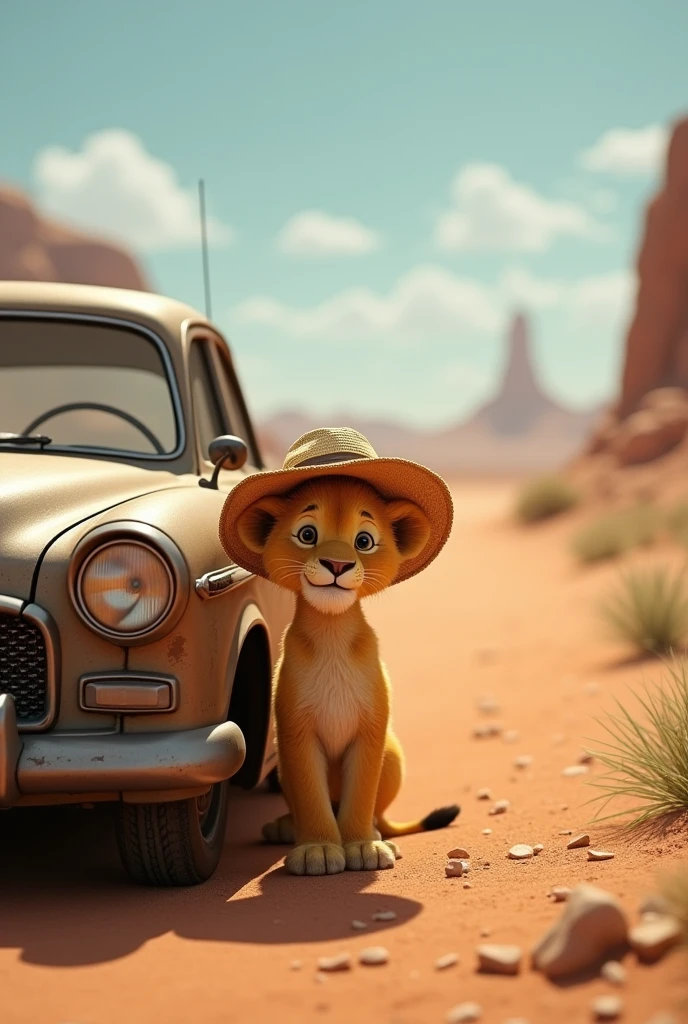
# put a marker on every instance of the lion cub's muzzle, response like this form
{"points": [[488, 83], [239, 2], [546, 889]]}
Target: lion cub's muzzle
{"points": [[334, 566]]}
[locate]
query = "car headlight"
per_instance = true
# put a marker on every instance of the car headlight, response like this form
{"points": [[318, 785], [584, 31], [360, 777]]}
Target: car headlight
{"points": [[131, 587]]}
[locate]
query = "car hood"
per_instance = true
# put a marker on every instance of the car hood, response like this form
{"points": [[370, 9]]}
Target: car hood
{"points": [[42, 495]]}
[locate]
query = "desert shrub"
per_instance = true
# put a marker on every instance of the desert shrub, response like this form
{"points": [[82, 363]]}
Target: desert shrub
{"points": [[616, 532], [647, 756], [649, 610], [544, 497]]}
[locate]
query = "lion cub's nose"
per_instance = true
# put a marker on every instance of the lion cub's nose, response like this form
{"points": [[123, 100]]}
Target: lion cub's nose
{"points": [[336, 568]]}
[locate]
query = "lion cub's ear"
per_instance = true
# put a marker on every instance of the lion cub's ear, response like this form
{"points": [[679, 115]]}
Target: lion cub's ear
{"points": [[256, 523], [411, 527]]}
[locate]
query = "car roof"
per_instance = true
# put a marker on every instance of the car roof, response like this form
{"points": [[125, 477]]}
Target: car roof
{"points": [[148, 308]]}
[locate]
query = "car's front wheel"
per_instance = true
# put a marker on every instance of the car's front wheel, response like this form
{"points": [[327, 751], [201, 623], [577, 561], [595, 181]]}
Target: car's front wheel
{"points": [[175, 843]]}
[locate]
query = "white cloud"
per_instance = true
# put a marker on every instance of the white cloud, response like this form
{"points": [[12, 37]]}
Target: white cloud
{"points": [[520, 287], [604, 301], [492, 211], [628, 151], [314, 233], [114, 186]]}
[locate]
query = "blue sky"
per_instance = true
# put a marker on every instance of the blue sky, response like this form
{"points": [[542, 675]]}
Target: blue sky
{"points": [[387, 180]]}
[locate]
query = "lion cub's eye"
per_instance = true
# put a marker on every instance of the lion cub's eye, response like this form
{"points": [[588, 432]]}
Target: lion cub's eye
{"points": [[364, 541], [307, 535]]}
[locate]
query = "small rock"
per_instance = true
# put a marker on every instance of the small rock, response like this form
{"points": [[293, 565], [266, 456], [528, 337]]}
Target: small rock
{"points": [[579, 842], [523, 761], [500, 807], [559, 893], [573, 770], [566, 832], [494, 959], [340, 962], [453, 869], [592, 923], [485, 933], [448, 960], [512, 736], [607, 1007], [651, 939], [488, 706], [464, 1013], [358, 925], [296, 965], [654, 904], [585, 758], [458, 853], [384, 915], [467, 885], [481, 732], [538, 848], [520, 852], [373, 955], [487, 831], [484, 794], [600, 855], [614, 972]]}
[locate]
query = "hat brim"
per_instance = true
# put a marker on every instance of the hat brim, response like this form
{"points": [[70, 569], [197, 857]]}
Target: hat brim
{"points": [[392, 478]]}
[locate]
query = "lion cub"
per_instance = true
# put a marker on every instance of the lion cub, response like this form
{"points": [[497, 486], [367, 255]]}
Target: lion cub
{"points": [[333, 541]]}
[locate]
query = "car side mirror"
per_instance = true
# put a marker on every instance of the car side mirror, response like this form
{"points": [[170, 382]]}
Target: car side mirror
{"points": [[225, 452]]}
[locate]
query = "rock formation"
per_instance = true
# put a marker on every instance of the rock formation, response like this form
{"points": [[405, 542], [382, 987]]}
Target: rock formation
{"points": [[33, 248]]}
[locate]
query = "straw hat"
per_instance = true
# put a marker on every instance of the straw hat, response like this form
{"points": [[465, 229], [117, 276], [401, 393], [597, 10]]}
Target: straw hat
{"points": [[341, 451]]}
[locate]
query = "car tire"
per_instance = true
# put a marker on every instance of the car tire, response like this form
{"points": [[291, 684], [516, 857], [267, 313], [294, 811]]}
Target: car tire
{"points": [[274, 784], [175, 843]]}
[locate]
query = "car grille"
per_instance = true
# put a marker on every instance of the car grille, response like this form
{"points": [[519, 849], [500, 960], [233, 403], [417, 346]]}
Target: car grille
{"points": [[24, 667]]}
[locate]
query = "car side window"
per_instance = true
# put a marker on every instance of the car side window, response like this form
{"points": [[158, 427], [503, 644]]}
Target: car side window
{"points": [[208, 411], [231, 393]]}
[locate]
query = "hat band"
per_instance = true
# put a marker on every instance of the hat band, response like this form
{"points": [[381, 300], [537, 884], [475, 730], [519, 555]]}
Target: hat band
{"points": [[325, 460]]}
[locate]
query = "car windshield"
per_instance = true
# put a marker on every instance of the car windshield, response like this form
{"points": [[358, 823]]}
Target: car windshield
{"points": [[85, 385]]}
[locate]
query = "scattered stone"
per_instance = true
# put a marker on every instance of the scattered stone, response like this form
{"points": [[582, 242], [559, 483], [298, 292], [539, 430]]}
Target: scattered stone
{"points": [[559, 893], [467, 885], [339, 962], [654, 904], [373, 955], [464, 1013], [520, 852], [651, 939], [499, 959], [358, 925], [607, 1007], [384, 915], [523, 761], [600, 855], [466, 865], [573, 770], [481, 732], [566, 832], [484, 794], [500, 807], [512, 736], [488, 706], [579, 842], [592, 923], [448, 960], [458, 853], [614, 972], [296, 965], [487, 831], [485, 933], [585, 758], [453, 869], [538, 848]]}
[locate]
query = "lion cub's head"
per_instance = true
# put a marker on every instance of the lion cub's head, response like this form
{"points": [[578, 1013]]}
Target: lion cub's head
{"points": [[333, 540]]}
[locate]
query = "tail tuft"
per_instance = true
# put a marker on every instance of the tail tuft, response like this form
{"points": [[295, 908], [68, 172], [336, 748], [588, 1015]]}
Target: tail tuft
{"points": [[440, 818]]}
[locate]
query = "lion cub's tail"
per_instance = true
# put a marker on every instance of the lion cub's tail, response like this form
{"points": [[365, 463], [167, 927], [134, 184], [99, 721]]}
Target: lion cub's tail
{"points": [[440, 818]]}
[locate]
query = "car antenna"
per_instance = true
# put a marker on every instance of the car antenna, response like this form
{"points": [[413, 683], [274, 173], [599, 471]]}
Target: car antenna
{"points": [[204, 247]]}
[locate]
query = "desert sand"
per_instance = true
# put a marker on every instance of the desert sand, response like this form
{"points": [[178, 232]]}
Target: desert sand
{"points": [[504, 612]]}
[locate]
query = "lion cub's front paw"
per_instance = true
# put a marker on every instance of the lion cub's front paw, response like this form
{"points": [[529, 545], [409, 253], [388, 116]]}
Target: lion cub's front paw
{"points": [[369, 855], [315, 859], [281, 830]]}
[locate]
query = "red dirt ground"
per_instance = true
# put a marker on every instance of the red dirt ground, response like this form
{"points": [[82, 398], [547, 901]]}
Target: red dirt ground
{"points": [[503, 612]]}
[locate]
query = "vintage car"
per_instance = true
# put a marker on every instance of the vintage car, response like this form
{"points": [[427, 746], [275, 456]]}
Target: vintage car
{"points": [[135, 664]]}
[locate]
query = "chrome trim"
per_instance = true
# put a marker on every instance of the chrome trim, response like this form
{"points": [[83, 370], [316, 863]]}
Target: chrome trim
{"points": [[135, 679], [172, 382], [51, 638], [10, 751], [132, 531], [219, 581]]}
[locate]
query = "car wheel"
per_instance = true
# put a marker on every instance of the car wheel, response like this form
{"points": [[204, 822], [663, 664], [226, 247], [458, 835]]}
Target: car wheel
{"points": [[175, 843], [274, 782]]}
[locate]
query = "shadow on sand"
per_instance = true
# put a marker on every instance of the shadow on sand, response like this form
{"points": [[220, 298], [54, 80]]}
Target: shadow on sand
{"points": [[66, 900]]}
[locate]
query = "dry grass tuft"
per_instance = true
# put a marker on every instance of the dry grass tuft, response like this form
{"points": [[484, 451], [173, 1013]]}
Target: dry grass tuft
{"points": [[649, 610], [613, 534], [545, 497]]}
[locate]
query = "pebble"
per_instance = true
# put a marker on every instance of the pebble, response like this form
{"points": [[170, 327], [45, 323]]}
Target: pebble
{"points": [[467, 885], [523, 761], [573, 770], [296, 965], [520, 852], [373, 955], [600, 855], [485, 933], [485, 731], [512, 736], [448, 960], [607, 1007], [358, 925], [651, 939], [384, 915], [538, 848], [458, 853], [464, 1013], [566, 832], [559, 893], [614, 972], [592, 923], [653, 904], [579, 842], [585, 757], [487, 831], [488, 706], [500, 807], [499, 959], [340, 962], [484, 794], [453, 869]]}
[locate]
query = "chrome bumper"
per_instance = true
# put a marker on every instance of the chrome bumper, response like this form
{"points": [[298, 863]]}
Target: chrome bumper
{"points": [[47, 763]]}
